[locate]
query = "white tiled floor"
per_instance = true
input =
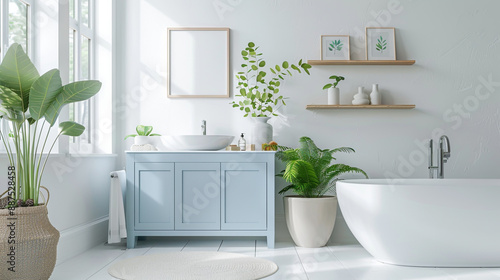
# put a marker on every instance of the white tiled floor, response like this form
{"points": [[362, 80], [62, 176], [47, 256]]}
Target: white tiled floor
{"points": [[343, 262]]}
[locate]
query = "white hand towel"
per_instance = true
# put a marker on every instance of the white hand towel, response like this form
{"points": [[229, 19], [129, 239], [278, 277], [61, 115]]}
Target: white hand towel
{"points": [[117, 228]]}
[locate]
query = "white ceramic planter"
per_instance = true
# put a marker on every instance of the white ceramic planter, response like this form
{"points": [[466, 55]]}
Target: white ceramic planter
{"points": [[143, 140], [310, 221], [333, 96], [262, 132]]}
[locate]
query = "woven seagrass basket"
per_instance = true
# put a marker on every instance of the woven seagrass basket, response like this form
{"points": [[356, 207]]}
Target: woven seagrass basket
{"points": [[33, 255]]}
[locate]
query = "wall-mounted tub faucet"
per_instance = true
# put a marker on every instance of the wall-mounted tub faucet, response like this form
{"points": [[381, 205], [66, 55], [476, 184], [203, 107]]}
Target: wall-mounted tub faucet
{"points": [[204, 127], [443, 156]]}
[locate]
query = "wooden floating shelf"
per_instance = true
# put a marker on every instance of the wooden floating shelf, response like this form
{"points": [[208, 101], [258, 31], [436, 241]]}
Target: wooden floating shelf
{"points": [[361, 62], [411, 106]]}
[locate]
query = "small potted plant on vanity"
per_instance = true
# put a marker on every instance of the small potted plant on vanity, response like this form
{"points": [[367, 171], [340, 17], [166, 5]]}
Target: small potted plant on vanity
{"points": [[260, 92], [143, 136], [31, 105], [333, 90], [310, 215]]}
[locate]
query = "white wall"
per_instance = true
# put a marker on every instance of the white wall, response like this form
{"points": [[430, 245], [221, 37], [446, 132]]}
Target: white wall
{"points": [[456, 46]]}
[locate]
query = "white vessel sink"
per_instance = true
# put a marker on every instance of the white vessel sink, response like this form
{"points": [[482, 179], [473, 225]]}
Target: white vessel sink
{"points": [[196, 142]]}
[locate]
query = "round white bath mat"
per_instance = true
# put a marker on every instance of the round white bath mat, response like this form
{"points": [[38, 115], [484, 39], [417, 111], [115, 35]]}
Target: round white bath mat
{"points": [[193, 265]]}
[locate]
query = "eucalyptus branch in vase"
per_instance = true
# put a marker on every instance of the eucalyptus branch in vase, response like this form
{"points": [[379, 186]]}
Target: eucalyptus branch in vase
{"points": [[260, 92]]}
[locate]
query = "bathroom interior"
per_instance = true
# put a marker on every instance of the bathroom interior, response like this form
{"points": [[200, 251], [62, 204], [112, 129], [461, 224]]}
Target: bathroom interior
{"points": [[451, 86]]}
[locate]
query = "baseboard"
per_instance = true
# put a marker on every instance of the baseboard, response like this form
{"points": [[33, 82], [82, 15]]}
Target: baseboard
{"points": [[78, 239]]}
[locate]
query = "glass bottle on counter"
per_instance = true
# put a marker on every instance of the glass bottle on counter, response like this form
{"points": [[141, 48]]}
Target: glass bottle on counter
{"points": [[242, 143]]}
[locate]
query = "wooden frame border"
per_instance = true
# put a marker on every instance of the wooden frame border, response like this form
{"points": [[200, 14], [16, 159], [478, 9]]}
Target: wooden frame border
{"points": [[348, 46], [366, 41], [227, 63]]}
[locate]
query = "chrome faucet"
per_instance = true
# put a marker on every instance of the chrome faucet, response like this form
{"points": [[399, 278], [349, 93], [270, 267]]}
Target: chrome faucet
{"points": [[443, 153], [204, 127], [443, 156]]}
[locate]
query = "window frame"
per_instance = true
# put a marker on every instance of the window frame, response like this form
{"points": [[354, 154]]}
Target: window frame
{"points": [[75, 144]]}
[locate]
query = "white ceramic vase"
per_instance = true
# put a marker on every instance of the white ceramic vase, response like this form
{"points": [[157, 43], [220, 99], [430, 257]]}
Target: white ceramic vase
{"points": [[375, 96], [262, 132], [361, 98], [333, 96], [310, 221]]}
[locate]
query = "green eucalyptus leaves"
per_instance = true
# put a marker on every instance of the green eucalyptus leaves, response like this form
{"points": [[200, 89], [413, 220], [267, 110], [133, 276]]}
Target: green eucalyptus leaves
{"points": [[260, 92]]}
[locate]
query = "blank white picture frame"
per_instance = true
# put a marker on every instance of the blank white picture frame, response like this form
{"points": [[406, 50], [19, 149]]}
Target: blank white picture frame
{"points": [[198, 62]]}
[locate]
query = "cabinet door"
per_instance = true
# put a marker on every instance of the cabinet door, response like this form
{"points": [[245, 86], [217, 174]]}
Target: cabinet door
{"points": [[244, 193], [154, 196], [197, 196]]}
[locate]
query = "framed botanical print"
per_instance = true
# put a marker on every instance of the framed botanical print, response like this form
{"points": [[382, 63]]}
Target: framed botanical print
{"points": [[380, 43], [335, 47]]}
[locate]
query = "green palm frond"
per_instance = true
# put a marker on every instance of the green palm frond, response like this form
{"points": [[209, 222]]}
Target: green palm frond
{"points": [[300, 173], [324, 160], [342, 150], [287, 155], [327, 187], [287, 188], [339, 169], [283, 148], [308, 151], [310, 170]]}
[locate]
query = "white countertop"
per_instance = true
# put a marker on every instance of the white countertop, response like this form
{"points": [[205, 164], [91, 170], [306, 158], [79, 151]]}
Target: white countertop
{"points": [[198, 152]]}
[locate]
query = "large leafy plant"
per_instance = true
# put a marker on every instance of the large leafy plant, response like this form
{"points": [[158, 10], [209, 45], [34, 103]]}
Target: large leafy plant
{"points": [[261, 92], [309, 170], [31, 104]]}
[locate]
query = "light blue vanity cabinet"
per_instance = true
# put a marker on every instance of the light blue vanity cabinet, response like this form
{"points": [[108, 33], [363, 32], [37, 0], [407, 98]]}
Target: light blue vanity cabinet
{"points": [[206, 193]]}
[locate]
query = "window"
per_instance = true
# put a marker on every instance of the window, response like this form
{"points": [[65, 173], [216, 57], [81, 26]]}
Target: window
{"points": [[15, 17], [86, 44], [66, 36], [81, 65]]}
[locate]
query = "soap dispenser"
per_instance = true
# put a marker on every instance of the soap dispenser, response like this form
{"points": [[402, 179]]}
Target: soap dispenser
{"points": [[242, 143]]}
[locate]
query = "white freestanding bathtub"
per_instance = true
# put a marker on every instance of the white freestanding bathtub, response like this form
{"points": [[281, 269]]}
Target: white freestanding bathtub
{"points": [[425, 222]]}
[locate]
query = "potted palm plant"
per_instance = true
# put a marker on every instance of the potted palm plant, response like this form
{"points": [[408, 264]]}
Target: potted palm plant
{"points": [[310, 214], [31, 105], [260, 92]]}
